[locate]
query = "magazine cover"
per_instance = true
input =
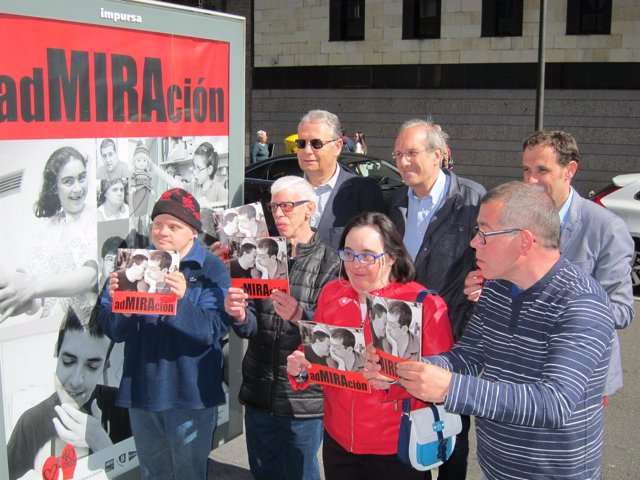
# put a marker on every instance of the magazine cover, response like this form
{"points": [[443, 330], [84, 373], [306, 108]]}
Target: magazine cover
{"points": [[259, 265], [336, 355], [241, 222], [396, 331], [141, 285]]}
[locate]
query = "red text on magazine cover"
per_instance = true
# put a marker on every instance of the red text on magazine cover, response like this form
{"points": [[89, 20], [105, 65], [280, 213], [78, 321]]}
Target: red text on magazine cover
{"points": [[338, 378], [257, 288], [144, 303]]}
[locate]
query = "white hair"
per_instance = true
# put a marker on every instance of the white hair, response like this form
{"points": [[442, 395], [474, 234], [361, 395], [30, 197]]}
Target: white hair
{"points": [[296, 184]]}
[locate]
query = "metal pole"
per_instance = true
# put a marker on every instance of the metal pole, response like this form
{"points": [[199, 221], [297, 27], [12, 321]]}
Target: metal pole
{"points": [[541, 60]]}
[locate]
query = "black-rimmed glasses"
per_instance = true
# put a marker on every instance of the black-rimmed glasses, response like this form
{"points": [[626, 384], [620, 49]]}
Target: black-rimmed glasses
{"points": [[482, 236], [364, 258], [285, 206], [316, 143]]}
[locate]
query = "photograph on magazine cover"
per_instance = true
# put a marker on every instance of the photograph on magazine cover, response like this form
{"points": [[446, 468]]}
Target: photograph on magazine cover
{"points": [[141, 281], [259, 265], [396, 331], [336, 354], [240, 222]]}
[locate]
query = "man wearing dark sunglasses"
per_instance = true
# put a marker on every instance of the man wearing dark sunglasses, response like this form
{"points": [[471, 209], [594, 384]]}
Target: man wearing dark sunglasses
{"points": [[340, 194]]}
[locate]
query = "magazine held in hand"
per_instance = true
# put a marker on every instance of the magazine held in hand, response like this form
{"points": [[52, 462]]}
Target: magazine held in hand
{"points": [[141, 285], [396, 331], [259, 265], [336, 355]]}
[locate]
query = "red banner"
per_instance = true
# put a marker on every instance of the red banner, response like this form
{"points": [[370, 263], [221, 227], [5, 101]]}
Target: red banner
{"points": [[120, 82]]}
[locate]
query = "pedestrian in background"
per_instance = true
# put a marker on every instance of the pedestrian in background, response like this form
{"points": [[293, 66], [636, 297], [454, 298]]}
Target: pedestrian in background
{"points": [[260, 149], [358, 139]]}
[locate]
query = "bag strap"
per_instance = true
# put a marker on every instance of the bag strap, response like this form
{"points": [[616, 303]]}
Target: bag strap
{"points": [[424, 293], [406, 406], [438, 427]]}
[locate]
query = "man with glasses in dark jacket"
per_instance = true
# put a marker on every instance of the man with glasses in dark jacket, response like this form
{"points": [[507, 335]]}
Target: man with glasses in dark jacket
{"points": [[436, 211]]}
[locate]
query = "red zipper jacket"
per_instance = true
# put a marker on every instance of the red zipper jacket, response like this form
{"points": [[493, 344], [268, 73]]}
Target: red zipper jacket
{"points": [[368, 423]]}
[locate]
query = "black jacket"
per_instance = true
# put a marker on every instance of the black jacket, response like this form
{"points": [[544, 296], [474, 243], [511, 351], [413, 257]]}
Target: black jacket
{"points": [[265, 384], [445, 257], [351, 196]]}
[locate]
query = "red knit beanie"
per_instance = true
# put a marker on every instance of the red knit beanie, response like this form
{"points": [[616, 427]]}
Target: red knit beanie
{"points": [[180, 204]]}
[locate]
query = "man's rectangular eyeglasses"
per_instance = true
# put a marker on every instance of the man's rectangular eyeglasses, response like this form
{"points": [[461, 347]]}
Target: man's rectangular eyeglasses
{"points": [[285, 206], [410, 154], [482, 236], [364, 258], [316, 143]]}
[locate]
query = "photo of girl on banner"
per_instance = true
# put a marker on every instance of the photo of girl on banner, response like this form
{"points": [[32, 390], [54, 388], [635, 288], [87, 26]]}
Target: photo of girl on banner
{"points": [[62, 217], [336, 355], [112, 200]]}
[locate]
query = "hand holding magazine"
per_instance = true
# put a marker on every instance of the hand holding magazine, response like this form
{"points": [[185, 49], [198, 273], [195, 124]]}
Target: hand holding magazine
{"points": [[336, 355], [396, 331], [142, 281]]}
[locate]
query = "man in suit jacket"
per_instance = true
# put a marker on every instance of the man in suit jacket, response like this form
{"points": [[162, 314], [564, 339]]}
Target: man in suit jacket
{"points": [[591, 237], [435, 212], [340, 193]]}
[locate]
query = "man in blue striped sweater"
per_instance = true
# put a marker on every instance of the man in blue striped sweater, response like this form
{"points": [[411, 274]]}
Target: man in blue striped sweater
{"points": [[532, 362]]}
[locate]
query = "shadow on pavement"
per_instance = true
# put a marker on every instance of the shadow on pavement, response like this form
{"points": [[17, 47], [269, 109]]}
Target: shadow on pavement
{"points": [[218, 471]]}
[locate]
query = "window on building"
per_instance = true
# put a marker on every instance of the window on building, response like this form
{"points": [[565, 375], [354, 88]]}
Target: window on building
{"points": [[346, 20], [588, 17], [501, 18], [421, 19]]}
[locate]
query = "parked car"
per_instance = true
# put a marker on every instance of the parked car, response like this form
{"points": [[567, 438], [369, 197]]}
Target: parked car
{"points": [[623, 198], [258, 177]]}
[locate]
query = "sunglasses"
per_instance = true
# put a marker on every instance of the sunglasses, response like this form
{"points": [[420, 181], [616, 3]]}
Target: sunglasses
{"points": [[316, 143]]}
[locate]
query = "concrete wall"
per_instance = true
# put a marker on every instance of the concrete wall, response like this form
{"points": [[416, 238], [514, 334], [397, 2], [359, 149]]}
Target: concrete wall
{"points": [[296, 33], [486, 126]]}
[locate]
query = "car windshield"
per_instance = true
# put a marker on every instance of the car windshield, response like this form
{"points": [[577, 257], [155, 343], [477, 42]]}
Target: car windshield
{"points": [[382, 172]]}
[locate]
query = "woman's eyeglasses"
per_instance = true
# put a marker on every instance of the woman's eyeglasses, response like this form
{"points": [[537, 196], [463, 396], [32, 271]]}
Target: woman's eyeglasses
{"points": [[316, 143], [364, 258], [286, 207]]}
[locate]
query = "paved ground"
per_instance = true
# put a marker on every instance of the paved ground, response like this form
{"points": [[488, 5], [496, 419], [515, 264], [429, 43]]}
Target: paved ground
{"points": [[622, 435]]}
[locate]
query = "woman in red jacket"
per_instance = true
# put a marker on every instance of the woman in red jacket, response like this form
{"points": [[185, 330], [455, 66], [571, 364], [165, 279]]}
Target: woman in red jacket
{"points": [[361, 429]]}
